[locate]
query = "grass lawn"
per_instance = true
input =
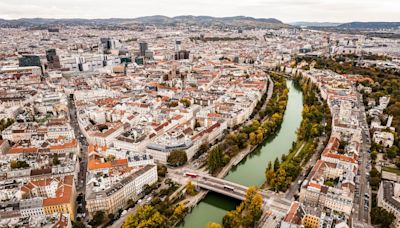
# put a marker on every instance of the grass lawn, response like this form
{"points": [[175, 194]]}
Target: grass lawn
{"points": [[293, 152]]}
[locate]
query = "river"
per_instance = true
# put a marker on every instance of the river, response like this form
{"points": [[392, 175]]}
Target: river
{"points": [[251, 170]]}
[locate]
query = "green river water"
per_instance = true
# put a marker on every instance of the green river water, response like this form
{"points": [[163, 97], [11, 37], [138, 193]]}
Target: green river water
{"points": [[251, 170]]}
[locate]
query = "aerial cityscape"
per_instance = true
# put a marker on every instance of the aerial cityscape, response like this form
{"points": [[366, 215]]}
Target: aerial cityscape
{"points": [[187, 114]]}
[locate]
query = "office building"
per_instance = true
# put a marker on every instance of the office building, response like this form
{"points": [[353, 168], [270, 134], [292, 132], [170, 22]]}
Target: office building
{"points": [[143, 47], [29, 60], [53, 61]]}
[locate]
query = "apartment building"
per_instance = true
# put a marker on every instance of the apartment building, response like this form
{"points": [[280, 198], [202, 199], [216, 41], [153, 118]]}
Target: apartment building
{"points": [[115, 197]]}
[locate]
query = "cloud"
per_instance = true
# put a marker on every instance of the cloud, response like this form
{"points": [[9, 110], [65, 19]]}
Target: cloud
{"points": [[286, 10]]}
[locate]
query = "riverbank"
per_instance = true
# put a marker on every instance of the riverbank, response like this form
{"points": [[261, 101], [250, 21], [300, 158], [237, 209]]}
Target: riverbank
{"points": [[250, 170], [283, 172]]}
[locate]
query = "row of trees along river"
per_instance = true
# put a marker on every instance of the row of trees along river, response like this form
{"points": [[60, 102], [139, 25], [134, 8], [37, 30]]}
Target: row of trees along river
{"points": [[251, 171]]}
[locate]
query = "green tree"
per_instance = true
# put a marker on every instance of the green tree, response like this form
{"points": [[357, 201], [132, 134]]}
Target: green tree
{"points": [[78, 224], [269, 165], [226, 159], [161, 170], [203, 149], [374, 178], [374, 155], [380, 216], [147, 189], [177, 158], [56, 161], [391, 153], [276, 164], [98, 218], [110, 217], [215, 159], [15, 164]]}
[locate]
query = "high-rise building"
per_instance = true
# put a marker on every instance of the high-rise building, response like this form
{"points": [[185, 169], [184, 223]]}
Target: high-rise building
{"points": [[139, 60], [29, 60], [183, 54], [54, 30], [143, 48], [110, 43], [53, 61], [178, 45]]}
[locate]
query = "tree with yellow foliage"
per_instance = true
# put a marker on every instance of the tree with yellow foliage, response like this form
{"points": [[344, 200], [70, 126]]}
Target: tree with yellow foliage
{"points": [[190, 189], [146, 216], [247, 213], [213, 225]]}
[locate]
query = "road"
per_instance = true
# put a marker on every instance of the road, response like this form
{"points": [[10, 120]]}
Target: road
{"points": [[121, 220], [81, 186], [270, 91], [364, 205]]}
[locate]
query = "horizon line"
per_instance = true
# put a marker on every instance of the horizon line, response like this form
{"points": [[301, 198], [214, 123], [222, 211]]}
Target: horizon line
{"points": [[109, 18]]}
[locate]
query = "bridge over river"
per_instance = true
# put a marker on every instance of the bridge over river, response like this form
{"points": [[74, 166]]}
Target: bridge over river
{"points": [[273, 202]]}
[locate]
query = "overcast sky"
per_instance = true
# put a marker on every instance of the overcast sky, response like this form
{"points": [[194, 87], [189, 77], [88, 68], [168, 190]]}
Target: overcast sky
{"points": [[285, 10]]}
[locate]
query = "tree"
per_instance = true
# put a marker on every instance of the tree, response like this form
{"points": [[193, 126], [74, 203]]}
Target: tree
{"points": [[242, 140], [269, 165], [186, 102], [281, 180], [382, 217], [276, 164], [5, 123], [179, 210], [392, 152], [56, 161], [177, 158], [172, 104], [215, 159], [147, 189], [111, 217], [213, 225], [247, 213], [98, 218], [270, 175], [161, 170], [226, 159], [78, 224], [190, 189], [374, 155], [131, 203], [146, 216], [203, 149], [253, 138], [374, 178], [15, 164]]}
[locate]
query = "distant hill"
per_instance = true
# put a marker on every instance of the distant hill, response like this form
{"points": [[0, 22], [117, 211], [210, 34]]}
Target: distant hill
{"points": [[238, 21], [370, 25], [315, 24]]}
